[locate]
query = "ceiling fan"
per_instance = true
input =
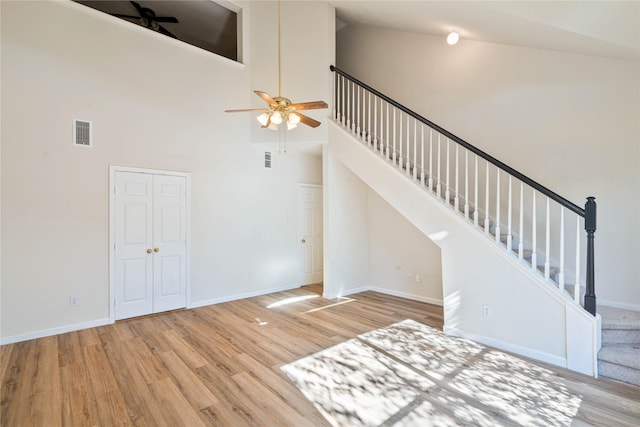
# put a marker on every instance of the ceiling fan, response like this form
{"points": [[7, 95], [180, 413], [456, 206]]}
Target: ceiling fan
{"points": [[281, 109], [147, 18]]}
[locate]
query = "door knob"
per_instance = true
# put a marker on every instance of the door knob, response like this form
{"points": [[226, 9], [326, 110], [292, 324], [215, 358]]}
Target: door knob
{"points": [[156, 249], [304, 241], [149, 251]]}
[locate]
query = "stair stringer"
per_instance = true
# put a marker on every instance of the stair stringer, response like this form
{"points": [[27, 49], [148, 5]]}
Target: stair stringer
{"points": [[528, 314]]}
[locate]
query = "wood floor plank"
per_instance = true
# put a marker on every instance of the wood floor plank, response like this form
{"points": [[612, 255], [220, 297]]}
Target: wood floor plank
{"points": [[176, 409], [221, 365], [188, 382]]}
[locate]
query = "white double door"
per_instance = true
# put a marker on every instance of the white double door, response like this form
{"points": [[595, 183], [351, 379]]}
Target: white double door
{"points": [[150, 224]]}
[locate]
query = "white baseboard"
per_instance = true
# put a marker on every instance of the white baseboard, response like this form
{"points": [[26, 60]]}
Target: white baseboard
{"points": [[614, 304], [407, 295], [502, 345], [346, 293], [54, 331], [212, 301]]}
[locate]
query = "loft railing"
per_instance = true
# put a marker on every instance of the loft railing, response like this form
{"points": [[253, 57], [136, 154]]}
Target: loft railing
{"points": [[439, 161]]}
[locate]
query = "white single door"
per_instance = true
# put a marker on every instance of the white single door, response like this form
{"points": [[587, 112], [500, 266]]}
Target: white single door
{"points": [[310, 220], [133, 245], [150, 243], [169, 242]]}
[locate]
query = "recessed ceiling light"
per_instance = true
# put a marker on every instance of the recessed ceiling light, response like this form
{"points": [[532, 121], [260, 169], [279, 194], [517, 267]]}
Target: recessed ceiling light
{"points": [[453, 38]]}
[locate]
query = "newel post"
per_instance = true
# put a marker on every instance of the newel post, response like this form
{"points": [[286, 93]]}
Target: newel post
{"points": [[590, 227]]}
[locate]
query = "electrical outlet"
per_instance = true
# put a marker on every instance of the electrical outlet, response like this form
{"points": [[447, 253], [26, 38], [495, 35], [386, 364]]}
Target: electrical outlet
{"points": [[73, 301], [417, 278], [486, 311]]}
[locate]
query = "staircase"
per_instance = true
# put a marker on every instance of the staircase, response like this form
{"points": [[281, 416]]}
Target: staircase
{"points": [[619, 358], [506, 241]]}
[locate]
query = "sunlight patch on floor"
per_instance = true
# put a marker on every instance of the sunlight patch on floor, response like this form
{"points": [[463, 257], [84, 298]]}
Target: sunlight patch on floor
{"points": [[409, 374], [292, 300]]}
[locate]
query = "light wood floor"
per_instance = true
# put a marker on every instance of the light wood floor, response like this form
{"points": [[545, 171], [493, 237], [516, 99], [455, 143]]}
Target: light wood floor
{"points": [[220, 365]]}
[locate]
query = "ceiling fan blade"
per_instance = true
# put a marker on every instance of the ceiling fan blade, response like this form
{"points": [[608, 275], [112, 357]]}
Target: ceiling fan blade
{"points": [[308, 120], [267, 98], [314, 105], [171, 19], [166, 32], [125, 16], [244, 110], [137, 6]]}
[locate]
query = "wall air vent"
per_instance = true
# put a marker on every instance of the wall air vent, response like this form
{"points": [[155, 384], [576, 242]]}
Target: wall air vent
{"points": [[82, 133], [267, 159]]}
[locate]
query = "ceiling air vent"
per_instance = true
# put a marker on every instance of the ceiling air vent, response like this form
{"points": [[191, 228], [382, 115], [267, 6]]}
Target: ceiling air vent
{"points": [[82, 133], [267, 159]]}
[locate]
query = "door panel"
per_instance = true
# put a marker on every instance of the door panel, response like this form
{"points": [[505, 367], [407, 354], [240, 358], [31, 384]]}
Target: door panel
{"points": [[169, 238], [310, 212], [133, 235]]}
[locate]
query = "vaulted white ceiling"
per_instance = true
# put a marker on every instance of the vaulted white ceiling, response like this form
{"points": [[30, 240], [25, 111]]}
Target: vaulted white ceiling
{"points": [[602, 28]]}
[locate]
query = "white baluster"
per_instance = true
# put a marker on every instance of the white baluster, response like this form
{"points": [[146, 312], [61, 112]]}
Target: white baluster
{"points": [[456, 198], [394, 136], [561, 274], [422, 154], [466, 184], [408, 152], [375, 123], [447, 194], [388, 131], [497, 205], [547, 249], [509, 214], [358, 117], [341, 118], [333, 95], [401, 141], [576, 288], [369, 118], [348, 105], [534, 238], [415, 148], [521, 237], [431, 160], [415, 141], [475, 200], [353, 107], [438, 184], [486, 201]]}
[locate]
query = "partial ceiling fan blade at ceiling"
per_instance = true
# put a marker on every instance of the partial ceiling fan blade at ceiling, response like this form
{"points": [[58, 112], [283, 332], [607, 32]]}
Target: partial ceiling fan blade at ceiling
{"points": [[245, 110], [265, 96], [308, 120], [137, 6], [166, 32], [313, 105], [171, 19], [125, 16]]}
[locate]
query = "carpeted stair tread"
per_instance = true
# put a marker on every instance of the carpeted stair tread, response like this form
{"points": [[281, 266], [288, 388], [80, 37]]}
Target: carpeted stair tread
{"points": [[616, 318], [621, 354]]}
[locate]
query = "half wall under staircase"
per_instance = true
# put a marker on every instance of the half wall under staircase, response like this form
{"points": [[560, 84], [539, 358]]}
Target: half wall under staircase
{"points": [[487, 220]]}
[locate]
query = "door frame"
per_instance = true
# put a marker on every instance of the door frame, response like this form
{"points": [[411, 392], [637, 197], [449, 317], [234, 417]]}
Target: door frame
{"points": [[300, 225], [113, 169]]}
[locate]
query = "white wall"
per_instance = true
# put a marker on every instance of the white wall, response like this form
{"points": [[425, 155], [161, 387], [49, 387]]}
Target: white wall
{"points": [[528, 316], [345, 228], [568, 121], [402, 260], [154, 103]]}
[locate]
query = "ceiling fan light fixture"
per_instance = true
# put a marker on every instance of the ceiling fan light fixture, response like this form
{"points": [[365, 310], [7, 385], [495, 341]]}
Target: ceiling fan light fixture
{"points": [[272, 126], [293, 119], [453, 38], [263, 119], [276, 117]]}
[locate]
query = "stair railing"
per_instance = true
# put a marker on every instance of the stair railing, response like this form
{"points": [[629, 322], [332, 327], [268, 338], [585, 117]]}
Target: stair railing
{"points": [[440, 161]]}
